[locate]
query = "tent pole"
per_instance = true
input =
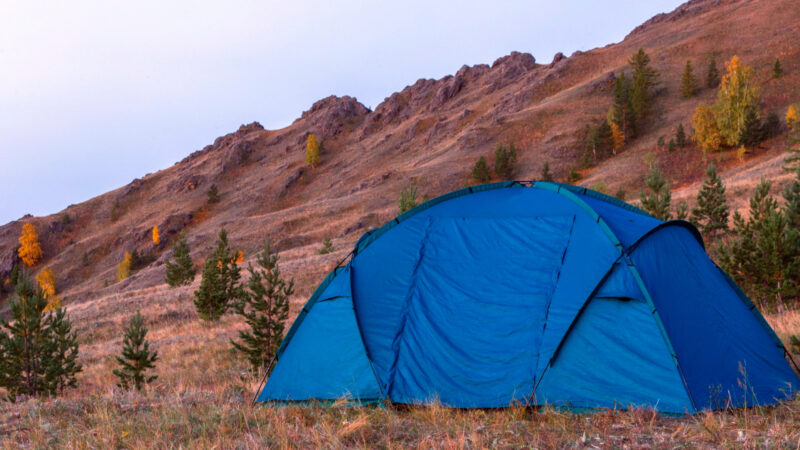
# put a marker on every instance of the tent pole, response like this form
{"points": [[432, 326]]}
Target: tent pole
{"points": [[263, 379]]}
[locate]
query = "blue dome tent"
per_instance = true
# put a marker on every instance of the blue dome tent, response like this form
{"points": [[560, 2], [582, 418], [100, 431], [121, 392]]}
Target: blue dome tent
{"points": [[531, 293]]}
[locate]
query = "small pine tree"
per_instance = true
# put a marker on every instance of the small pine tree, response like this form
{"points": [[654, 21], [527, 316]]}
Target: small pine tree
{"points": [[546, 175], [312, 151], [220, 281], [265, 308], [712, 210], [750, 134], [38, 349], [671, 146], [680, 136], [764, 257], [622, 110], [682, 211], [408, 197], [573, 176], [688, 81], [505, 160], [212, 195], [327, 246], [645, 80], [772, 126], [136, 358], [712, 76], [657, 201], [124, 267], [777, 70], [182, 271], [480, 171]]}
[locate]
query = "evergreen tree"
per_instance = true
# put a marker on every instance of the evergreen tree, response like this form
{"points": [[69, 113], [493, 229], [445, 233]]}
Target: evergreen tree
{"points": [[181, 272], [671, 146], [712, 76], [751, 133], [480, 171], [38, 350], [772, 126], [599, 140], [777, 70], [688, 81], [546, 175], [622, 111], [682, 212], [327, 246], [137, 358], [765, 256], [712, 211], [265, 308], [408, 197], [220, 282], [505, 160], [657, 201], [645, 80], [680, 136], [14, 274], [212, 195]]}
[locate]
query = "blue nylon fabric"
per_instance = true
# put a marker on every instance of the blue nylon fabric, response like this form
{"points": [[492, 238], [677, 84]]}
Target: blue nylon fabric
{"points": [[615, 357], [326, 359], [471, 330], [724, 350], [620, 284], [466, 300]]}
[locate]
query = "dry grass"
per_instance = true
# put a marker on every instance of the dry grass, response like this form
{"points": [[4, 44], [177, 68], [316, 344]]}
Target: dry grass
{"points": [[202, 399]]}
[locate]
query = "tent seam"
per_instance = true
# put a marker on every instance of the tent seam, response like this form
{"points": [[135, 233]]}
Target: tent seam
{"points": [[407, 303]]}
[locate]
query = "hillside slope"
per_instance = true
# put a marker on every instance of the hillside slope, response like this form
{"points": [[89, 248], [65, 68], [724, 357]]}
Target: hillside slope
{"points": [[431, 132]]}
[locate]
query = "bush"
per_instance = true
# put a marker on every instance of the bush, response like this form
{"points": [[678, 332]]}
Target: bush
{"points": [[212, 195], [573, 176]]}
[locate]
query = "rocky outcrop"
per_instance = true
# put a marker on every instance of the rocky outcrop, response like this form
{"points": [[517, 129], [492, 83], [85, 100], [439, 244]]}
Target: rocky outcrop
{"points": [[327, 116]]}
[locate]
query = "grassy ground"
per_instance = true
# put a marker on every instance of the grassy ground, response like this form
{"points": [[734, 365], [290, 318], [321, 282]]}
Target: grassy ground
{"points": [[202, 399]]}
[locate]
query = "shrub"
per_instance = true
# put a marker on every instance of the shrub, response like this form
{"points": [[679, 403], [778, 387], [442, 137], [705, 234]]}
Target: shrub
{"points": [[327, 247], [408, 197]]}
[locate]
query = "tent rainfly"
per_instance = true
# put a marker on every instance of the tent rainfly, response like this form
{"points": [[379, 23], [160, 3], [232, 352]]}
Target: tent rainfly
{"points": [[532, 293]]}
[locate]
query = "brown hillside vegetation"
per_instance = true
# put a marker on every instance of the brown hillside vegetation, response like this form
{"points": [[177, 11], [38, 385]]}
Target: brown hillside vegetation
{"points": [[429, 133]]}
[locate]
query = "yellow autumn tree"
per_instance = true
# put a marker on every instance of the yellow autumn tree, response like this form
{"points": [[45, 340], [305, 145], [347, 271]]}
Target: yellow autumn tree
{"points": [[706, 131], [47, 283], [617, 137], [792, 116], [29, 249], [738, 93], [156, 237], [124, 267], [312, 151]]}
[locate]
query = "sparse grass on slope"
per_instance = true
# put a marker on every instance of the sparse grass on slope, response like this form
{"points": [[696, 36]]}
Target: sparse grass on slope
{"points": [[202, 399]]}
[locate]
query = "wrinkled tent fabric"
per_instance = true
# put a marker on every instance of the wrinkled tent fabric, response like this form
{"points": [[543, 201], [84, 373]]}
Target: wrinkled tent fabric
{"points": [[532, 294]]}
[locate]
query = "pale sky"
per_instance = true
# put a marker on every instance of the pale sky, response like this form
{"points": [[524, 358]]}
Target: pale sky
{"points": [[96, 93]]}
